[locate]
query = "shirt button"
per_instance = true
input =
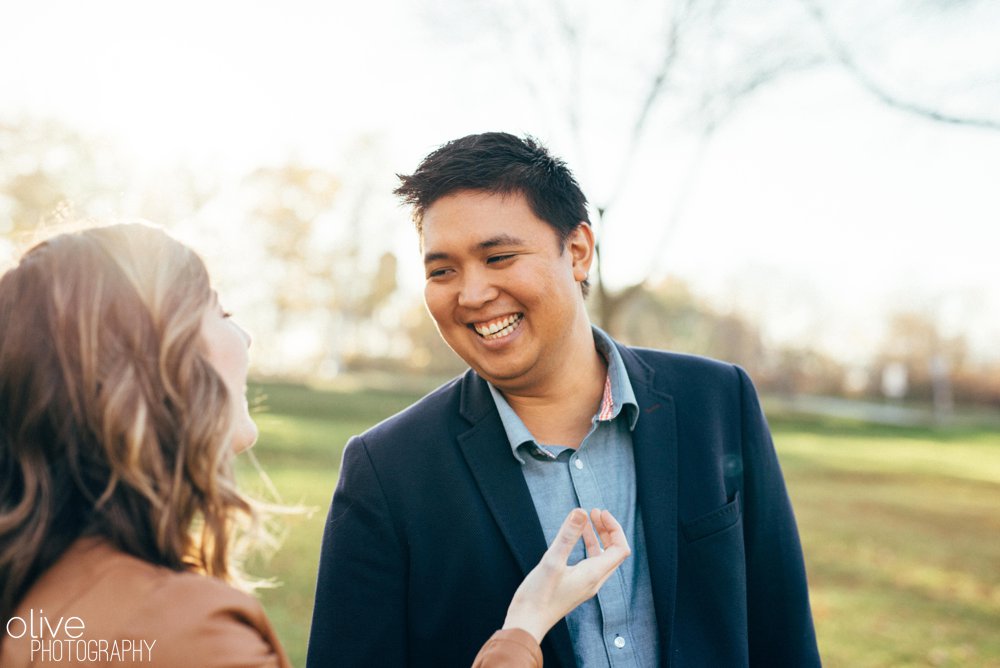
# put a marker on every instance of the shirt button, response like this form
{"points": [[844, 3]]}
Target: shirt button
{"points": [[578, 463], [619, 642]]}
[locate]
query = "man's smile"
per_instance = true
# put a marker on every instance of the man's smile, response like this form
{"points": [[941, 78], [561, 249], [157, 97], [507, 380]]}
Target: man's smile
{"points": [[497, 328]]}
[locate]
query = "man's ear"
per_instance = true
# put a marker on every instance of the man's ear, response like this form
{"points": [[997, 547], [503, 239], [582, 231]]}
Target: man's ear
{"points": [[580, 244]]}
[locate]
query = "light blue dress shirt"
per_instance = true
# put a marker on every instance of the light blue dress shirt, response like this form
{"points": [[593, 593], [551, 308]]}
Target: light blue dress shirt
{"points": [[618, 626]]}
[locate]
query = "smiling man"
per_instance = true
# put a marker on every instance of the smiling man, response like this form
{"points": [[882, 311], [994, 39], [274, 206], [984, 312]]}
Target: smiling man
{"points": [[441, 510]]}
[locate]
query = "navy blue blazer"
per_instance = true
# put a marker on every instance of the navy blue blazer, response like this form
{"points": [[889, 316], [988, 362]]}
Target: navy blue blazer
{"points": [[432, 528]]}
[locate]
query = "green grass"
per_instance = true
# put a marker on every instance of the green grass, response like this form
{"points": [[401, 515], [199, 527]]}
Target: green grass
{"points": [[902, 541], [899, 525], [302, 436]]}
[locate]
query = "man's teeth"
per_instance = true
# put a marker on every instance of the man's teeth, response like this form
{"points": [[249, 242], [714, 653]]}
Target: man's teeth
{"points": [[499, 328]]}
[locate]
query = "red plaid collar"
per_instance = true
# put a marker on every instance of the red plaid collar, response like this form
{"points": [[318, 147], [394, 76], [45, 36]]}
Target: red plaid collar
{"points": [[607, 410]]}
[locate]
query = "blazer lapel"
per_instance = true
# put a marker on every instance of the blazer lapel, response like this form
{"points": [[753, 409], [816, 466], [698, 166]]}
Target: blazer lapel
{"points": [[654, 442], [487, 452]]}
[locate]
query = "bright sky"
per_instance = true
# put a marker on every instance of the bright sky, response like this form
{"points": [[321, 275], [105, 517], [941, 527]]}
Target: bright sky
{"points": [[813, 205]]}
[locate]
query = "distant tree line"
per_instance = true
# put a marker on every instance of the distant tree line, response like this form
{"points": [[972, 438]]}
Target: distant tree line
{"points": [[326, 290]]}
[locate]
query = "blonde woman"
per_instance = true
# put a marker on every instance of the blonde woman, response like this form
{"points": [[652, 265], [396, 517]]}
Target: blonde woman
{"points": [[122, 405]]}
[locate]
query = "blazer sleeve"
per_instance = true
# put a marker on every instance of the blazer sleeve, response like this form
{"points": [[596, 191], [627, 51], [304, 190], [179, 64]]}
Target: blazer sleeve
{"points": [[359, 618], [510, 648], [779, 621]]}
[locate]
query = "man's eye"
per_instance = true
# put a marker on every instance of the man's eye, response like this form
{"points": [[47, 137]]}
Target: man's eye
{"points": [[436, 273], [494, 259]]}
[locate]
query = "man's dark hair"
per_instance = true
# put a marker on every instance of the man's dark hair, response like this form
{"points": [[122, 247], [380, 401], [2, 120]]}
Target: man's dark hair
{"points": [[498, 163]]}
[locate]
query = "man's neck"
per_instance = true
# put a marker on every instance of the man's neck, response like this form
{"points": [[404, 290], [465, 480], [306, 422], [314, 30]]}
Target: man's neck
{"points": [[560, 413]]}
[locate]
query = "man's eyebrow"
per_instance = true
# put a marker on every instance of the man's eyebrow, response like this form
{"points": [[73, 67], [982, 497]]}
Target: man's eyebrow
{"points": [[499, 240], [433, 257], [492, 242]]}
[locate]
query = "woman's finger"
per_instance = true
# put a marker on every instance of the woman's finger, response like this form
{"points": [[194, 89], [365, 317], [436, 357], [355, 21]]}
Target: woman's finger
{"points": [[608, 528], [616, 547], [569, 534], [590, 541]]}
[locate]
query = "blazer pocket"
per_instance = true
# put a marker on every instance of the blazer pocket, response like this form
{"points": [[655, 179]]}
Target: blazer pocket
{"points": [[713, 522]]}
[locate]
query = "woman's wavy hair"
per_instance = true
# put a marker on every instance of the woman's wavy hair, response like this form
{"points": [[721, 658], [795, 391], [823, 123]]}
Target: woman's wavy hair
{"points": [[112, 421]]}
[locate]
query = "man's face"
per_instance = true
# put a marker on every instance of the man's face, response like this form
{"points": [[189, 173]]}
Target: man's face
{"points": [[503, 291]]}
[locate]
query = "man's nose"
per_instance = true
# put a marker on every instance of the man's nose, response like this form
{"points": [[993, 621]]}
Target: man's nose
{"points": [[477, 289]]}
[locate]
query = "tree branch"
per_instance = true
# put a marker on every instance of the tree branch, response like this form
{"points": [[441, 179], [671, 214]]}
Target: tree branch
{"points": [[656, 88], [847, 61]]}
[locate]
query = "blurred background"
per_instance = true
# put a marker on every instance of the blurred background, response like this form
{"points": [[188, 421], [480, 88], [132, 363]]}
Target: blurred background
{"points": [[805, 187]]}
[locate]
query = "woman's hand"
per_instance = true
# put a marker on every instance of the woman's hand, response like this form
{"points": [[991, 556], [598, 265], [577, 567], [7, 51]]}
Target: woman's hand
{"points": [[552, 589]]}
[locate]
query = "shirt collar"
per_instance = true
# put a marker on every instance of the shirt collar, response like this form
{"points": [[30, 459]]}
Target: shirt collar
{"points": [[622, 397], [517, 433]]}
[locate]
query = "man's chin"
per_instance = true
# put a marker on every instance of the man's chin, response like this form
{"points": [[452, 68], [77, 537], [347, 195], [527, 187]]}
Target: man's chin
{"points": [[499, 367], [506, 378]]}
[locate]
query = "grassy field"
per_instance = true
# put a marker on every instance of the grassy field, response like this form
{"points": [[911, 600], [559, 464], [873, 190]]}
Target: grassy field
{"points": [[900, 525]]}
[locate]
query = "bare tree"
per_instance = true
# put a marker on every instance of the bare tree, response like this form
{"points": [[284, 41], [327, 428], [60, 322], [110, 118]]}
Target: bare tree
{"points": [[911, 98], [651, 81], [625, 80]]}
